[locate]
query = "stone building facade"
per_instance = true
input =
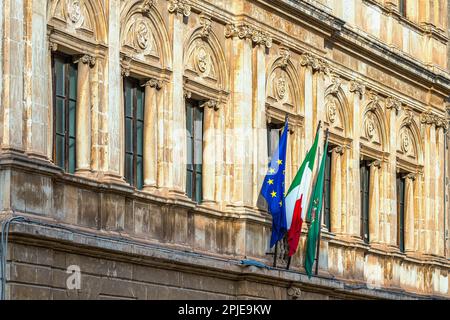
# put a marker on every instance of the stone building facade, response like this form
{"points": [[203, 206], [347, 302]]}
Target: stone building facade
{"points": [[373, 71]]}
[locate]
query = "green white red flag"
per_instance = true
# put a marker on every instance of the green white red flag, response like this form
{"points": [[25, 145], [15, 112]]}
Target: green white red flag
{"points": [[297, 197], [314, 210]]}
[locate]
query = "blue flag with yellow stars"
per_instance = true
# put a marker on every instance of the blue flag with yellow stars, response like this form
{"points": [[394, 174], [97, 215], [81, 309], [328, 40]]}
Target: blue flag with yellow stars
{"points": [[273, 189]]}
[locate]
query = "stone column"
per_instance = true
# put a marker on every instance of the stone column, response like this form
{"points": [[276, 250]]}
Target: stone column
{"points": [[374, 198], [428, 120], [259, 167], [113, 165], [177, 129], [150, 133], [83, 114], [409, 212], [220, 160], [389, 221], [336, 188], [440, 193], [209, 152], [354, 208], [12, 84]]}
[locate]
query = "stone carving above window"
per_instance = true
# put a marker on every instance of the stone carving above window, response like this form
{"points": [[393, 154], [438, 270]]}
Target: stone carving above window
{"points": [[137, 37], [372, 128], [74, 13], [200, 60], [280, 91], [179, 6], [406, 144]]}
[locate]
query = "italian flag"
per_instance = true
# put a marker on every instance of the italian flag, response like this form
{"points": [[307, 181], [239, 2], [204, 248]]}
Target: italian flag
{"points": [[296, 198]]}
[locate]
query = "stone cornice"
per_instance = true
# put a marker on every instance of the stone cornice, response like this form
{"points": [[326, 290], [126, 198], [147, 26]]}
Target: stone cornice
{"points": [[344, 34]]}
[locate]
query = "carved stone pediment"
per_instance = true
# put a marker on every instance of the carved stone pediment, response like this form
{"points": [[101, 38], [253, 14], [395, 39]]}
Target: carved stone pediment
{"points": [[201, 61], [75, 14], [137, 37], [372, 129]]}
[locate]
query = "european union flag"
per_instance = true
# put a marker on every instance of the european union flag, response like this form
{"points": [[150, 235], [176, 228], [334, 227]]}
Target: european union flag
{"points": [[273, 189]]}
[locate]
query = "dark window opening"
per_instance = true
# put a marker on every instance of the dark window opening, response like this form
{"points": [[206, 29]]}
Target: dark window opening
{"points": [[327, 189], [274, 131], [364, 169], [64, 76], [134, 132], [401, 211], [402, 7], [194, 127]]}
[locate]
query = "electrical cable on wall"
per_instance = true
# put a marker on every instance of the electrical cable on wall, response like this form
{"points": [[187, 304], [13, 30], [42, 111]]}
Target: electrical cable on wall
{"points": [[4, 252]]}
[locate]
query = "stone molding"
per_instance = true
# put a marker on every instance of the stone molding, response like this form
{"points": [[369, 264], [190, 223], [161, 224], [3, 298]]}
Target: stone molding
{"points": [[393, 103]]}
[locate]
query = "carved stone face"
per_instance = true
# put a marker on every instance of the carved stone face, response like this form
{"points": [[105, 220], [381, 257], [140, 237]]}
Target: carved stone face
{"points": [[74, 11], [142, 35], [281, 87]]}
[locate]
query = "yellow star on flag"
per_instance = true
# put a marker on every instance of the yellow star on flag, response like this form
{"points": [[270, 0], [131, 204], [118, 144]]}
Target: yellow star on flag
{"points": [[271, 170], [281, 203], [270, 181], [280, 161], [274, 194]]}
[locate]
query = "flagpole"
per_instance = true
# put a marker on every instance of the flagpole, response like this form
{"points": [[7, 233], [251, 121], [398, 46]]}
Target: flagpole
{"points": [[317, 131], [320, 215]]}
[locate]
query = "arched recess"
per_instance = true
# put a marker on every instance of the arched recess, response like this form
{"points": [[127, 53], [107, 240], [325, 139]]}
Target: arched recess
{"points": [[409, 143], [283, 87], [373, 130], [143, 35], [205, 71], [84, 18], [337, 115]]}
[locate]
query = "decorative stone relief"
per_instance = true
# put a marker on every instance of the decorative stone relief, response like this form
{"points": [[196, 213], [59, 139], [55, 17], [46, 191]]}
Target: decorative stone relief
{"points": [[374, 100], [202, 59], [142, 35], [371, 128], [86, 59], [317, 64], [211, 104], [331, 111], [205, 22], [179, 6], [281, 88], [428, 117], [357, 87], [405, 141], [147, 6], [154, 83], [285, 55], [409, 116], [74, 11], [245, 31], [393, 103], [137, 37], [294, 292], [335, 84]]}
